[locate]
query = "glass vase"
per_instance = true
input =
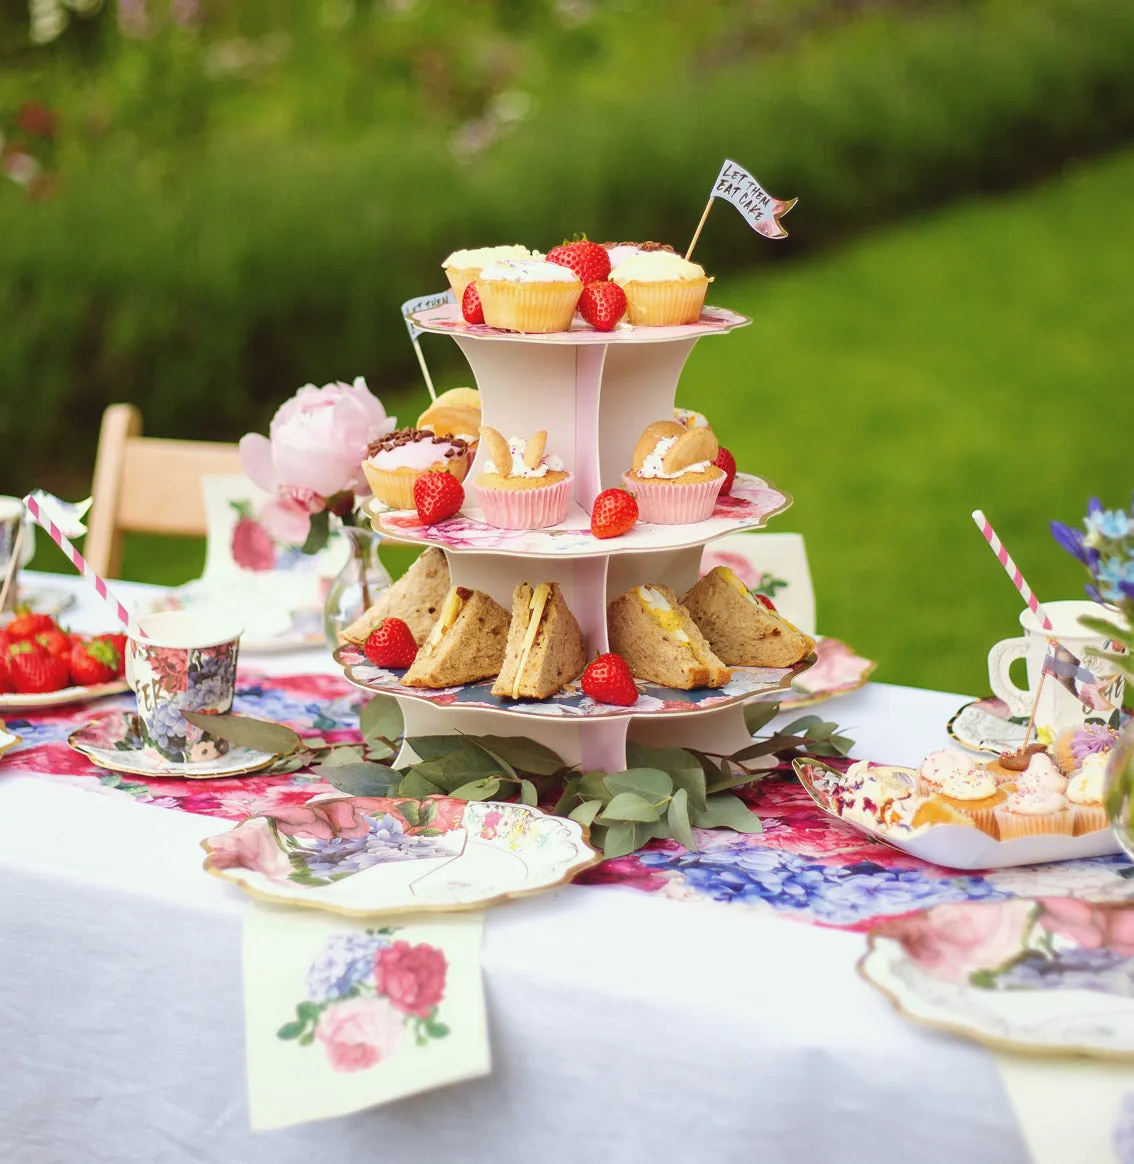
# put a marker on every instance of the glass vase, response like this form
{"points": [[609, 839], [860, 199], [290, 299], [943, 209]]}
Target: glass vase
{"points": [[357, 585], [1120, 788]]}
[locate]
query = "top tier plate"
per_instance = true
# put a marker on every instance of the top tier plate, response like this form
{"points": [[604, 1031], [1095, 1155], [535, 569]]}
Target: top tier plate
{"points": [[447, 320]]}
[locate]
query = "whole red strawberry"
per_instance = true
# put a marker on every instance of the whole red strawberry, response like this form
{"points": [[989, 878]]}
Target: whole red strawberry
{"points": [[608, 680], [5, 673], [57, 641], [35, 670], [27, 624], [93, 661], [437, 496], [391, 644], [726, 461], [614, 513], [765, 600], [117, 643], [602, 305], [470, 305], [588, 260]]}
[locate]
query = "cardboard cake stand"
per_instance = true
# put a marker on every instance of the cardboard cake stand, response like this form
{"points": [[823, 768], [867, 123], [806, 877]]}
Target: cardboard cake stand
{"points": [[594, 393]]}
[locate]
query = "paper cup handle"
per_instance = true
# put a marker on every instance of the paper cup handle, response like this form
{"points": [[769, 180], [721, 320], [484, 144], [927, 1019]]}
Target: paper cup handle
{"points": [[129, 660], [1000, 660]]}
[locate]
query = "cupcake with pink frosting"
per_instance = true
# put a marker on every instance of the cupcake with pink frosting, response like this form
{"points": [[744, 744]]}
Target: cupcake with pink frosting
{"points": [[393, 463], [1034, 813], [1075, 745]]}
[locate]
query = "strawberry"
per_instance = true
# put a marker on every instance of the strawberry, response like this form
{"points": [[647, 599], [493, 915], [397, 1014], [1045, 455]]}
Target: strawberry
{"points": [[726, 461], [27, 624], [602, 305], [35, 670], [470, 305], [437, 496], [588, 260], [608, 680], [614, 513], [117, 643], [56, 641], [5, 673], [93, 661], [391, 644], [765, 600]]}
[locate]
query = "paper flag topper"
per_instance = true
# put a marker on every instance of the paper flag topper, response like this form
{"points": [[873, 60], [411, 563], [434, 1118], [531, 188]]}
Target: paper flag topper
{"points": [[760, 210], [67, 516], [1066, 669], [424, 303]]}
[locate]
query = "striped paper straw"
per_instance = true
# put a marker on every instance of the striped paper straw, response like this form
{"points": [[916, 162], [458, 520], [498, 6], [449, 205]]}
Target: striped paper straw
{"points": [[83, 566], [1012, 570]]}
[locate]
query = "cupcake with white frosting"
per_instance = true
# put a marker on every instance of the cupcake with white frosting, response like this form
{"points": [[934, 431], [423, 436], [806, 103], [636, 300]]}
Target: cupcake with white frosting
{"points": [[521, 486], [463, 266], [528, 295], [1085, 791], [1035, 813], [673, 477], [962, 785], [662, 289]]}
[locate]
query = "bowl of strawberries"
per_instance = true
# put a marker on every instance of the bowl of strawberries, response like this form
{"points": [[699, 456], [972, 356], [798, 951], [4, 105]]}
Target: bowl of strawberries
{"points": [[43, 665]]}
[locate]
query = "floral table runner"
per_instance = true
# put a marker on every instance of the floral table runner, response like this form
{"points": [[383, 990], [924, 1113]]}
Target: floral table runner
{"points": [[803, 866]]}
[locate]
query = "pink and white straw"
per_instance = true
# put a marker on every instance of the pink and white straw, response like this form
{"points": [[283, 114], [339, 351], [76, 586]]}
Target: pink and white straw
{"points": [[83, 566], [1011, 569]]}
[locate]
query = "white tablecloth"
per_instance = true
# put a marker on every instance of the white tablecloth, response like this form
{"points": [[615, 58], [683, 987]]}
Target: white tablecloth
{"points": [[624, 1027]]}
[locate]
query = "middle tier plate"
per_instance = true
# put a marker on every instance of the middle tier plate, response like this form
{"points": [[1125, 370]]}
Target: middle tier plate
{"points": [[749, 506], [652, 700]]}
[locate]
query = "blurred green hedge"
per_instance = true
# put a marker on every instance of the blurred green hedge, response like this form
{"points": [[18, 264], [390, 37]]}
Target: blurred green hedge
{"points": [[206, 288]]}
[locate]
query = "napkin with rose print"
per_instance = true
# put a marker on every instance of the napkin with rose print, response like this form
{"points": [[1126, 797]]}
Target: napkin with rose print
{"points": [[344, 1014]]}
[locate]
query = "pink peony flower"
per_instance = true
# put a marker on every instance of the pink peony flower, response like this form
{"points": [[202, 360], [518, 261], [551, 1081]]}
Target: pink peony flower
{"points": [[250, 846], [951, 942], [1092, 925], [411, 977], [317, 443], [360, 1033]]}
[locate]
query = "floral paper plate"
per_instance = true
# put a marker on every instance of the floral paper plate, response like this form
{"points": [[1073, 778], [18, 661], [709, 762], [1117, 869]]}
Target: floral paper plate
{"points": [[7, 739], [838, 670], [366, 856], [113, 741], [652, 699], [47, 699], [986, 725], [950, 845], [1053, 975]]}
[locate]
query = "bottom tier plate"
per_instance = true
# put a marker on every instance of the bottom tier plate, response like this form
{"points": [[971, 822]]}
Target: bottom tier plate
{"points": [[653, 699]]}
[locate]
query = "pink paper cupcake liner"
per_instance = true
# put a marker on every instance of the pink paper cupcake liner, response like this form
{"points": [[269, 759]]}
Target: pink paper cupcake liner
{"points": [[537, 508], [671, 503]]}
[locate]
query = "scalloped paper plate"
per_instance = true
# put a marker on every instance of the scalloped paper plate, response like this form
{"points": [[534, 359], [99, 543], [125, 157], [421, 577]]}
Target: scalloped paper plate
{"points": [[652, 699], [960, 846], [8, 740], [366, 856], [45, 700], [985, 725], [838, 670]]}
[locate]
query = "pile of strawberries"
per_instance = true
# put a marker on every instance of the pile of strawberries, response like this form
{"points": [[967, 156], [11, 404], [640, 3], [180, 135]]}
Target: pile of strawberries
{"points": [[38, 656]]}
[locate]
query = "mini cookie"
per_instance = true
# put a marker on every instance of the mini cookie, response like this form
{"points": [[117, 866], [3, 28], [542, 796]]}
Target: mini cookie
{"points": [[693, 446], [496, 449], [533, 450], [660, 430]]}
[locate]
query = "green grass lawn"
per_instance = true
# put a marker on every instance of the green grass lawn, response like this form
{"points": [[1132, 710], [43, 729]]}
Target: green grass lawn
{"points": [[980, 357]]}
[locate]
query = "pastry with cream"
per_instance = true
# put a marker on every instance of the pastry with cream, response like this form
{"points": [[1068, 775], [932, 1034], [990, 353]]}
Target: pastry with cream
{"points": [[673, 477], [463, 266], [455, 413], [522, 486], [416, 598], [660, 642], [1034, 813], [1073, 746], [545, 648], [742, 631], [662, 289], [1085, 791], [528, 295], [394, 462], [466, 642]]}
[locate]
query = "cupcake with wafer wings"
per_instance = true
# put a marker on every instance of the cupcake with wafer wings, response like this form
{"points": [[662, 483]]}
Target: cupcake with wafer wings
{"points": [[673, 477], [522, 486]]}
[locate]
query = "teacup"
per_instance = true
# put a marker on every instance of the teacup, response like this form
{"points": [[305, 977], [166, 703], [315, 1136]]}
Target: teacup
{"points": [[11, 518], [1057, 709], [186, 662]]}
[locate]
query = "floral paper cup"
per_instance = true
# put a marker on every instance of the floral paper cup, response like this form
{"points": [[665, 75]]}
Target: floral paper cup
{"points": [[670, 503], [186, 662]]}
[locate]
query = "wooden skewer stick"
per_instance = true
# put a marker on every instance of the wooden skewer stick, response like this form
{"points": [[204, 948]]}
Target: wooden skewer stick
{"points": [[13, 565], [700, 225], [424, 370], [1035, 708]]}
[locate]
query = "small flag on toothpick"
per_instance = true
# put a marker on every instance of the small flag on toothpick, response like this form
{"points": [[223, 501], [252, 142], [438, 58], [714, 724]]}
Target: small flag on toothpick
{"points": [[1066, 669], [412, 307], [760, 210]]}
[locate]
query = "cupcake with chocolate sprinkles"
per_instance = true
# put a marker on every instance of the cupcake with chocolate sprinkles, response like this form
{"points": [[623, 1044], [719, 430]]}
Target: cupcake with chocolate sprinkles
{"points": [[393, 463]]}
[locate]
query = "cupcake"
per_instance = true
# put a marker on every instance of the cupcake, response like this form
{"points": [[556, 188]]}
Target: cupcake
{"points": [[964, 786], [1085, 793], [393, 463], [942, 765], [455, 413], [520, 487], [1041, 775], [462, 267], [528, 295], [1073, 746], [1029, 814], [1006, 769], [673, 477], [662, 289], [618, 253]]}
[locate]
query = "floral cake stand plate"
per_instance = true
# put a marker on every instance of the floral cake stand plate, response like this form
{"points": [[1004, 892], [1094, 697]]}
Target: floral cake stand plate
{"points": [[949, 845], [365, 856], [1052, 975], [113, 741], [837, 670], [8, 740], [44, 700]]}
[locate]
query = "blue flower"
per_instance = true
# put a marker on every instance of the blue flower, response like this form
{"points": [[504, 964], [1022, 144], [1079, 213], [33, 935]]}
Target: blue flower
{"points": [[346, 959], [1074, 968], [1109, 524], [386, 841], [1116, 578]]}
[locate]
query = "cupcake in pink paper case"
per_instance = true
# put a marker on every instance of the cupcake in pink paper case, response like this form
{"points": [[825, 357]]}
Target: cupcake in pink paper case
{"points": [[521, 486], [673, 477], [393, 463]]}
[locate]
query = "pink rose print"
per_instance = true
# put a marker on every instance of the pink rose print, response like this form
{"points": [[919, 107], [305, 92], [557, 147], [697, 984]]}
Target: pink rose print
{"points": [[737, 563], [412, 977], [951, 942], [1092, 925], [329, 818], [360, 1033], [252, 546], [250, 846]]}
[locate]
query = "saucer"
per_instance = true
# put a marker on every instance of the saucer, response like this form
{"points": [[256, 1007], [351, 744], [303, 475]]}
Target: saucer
{"points": [[113, 741], [985, 725], [8, 740]]}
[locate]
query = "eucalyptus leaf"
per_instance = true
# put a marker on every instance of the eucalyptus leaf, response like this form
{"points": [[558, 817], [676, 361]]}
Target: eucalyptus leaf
{"points": [[523, 754], [668, 760], [629, 806], [592, 786], [727, 783], [800, 726], [341, 756], [503, 764], [651, 783], [377, 749], [586, 812], [728, 811], [528, 794], [618, 840], [568, 798], [757, 715], [477, 789], [677, 817], [434, 747], [767, 747], [469, 762], [361, 779], [381, 716], [413, 783], [692, 782], [259, 734]]}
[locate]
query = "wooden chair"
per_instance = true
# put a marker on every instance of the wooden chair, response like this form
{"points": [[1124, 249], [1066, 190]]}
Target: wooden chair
{"points": [[147, 484]]}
